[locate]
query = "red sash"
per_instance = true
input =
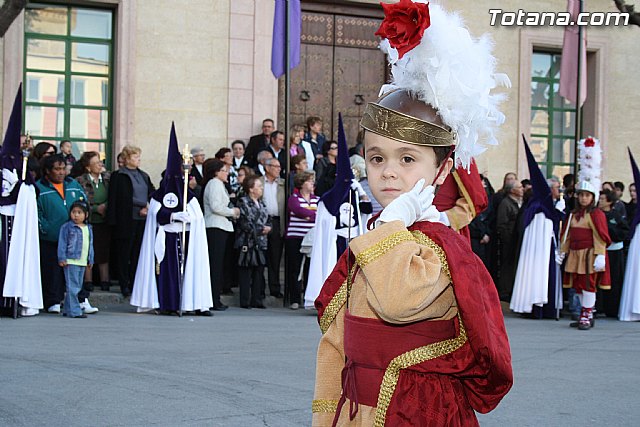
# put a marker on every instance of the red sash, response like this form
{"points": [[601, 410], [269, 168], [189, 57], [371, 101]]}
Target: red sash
{"points": [[371, 344], [580, 238]]}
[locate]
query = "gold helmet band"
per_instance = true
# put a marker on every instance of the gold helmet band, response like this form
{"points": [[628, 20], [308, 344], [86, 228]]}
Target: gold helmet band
{"points": [[405, 128]]}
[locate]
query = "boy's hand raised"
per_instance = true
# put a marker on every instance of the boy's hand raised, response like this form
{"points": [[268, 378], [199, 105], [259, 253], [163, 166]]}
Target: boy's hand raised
{"points": [[412, 206]]}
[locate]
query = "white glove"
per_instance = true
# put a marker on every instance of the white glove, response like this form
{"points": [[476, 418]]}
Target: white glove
{"points": [[355, 185], [181, 217], [9, 181], [600, 263], [412, 206], [561, 205], [560, 257]]}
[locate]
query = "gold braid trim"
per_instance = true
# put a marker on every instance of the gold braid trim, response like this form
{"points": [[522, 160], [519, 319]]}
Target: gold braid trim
{"points": [[408, 359], [382, 247], [422, 239], [420, 354], [336, 303], [324, 405]]}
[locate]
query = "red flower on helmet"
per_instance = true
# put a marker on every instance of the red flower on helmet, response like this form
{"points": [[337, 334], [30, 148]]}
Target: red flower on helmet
{"points": [[589, 142], [404, 24]]}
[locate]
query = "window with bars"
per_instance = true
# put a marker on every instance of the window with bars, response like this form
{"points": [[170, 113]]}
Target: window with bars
{"points": [[68, 67], [553, 118]]}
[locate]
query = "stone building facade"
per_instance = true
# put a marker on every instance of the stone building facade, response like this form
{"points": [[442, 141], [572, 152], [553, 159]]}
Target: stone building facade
{"points": [[205, 64]]}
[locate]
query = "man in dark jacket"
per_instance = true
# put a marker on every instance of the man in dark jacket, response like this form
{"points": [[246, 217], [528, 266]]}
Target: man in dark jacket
{"points": [[56, 195], [259, 142], [506, 221]]}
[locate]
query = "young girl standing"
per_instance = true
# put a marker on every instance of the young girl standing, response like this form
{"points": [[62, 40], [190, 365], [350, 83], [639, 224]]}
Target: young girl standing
{"points": [[75, 254]]}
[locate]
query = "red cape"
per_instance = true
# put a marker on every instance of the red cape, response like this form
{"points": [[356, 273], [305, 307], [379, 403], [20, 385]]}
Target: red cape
{"points": [[489, 376]]}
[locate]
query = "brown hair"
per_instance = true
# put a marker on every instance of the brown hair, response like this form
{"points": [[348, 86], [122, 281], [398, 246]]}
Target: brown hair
{"points": [[210, 168], [249, 182], [130, 150], [312, 120], [221, 152], [297, 159], [300, 178]]}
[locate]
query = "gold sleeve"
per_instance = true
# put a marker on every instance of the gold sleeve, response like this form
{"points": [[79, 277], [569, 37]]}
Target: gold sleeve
{"points": [[330, 362], [404, 275], [460, 215]]}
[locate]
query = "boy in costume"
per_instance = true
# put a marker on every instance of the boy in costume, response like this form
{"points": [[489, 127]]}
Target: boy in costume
{"points": [[585, 236], [413, 332]]}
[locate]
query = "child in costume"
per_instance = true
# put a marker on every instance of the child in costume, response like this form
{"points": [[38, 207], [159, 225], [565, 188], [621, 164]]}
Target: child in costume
{"points": [[413, 332], [587, 237]]}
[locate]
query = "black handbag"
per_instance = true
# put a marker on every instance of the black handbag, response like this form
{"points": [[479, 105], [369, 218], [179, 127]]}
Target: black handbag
{"points": [[250, 257]]}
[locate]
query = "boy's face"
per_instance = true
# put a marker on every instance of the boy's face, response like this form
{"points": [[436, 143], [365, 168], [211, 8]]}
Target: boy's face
{"points": [[77, 215], [394, 167]]}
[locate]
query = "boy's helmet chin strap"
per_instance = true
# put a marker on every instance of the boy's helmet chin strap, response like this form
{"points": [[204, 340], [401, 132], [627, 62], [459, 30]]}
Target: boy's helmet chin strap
{"points": [[444, 163]]}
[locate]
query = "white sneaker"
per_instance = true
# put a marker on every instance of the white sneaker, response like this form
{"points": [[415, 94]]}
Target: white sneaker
{"points": [[86, 307], [294, 306], [54, 308], [27, 311]]}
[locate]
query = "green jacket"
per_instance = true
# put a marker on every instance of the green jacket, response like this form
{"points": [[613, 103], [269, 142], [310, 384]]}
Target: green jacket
{"points": [[53, 210]]}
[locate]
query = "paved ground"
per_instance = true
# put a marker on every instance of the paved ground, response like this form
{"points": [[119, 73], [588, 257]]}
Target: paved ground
{"points": [[256, 368]]}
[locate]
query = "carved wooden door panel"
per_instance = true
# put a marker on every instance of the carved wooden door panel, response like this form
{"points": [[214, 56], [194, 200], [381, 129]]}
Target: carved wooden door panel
{"points": [[311, 81], [359, 71], [310, 85], [341, 69]]}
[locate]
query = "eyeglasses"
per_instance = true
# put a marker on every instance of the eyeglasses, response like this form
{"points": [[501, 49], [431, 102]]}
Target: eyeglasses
{"points": [[275, 166], [333, 148], [50, 152]]}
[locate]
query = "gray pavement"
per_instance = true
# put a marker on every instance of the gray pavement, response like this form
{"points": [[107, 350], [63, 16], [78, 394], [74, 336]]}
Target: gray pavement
{"points": [[256, 368]]}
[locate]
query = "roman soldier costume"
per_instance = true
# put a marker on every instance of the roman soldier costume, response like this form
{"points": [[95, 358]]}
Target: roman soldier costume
{"points": [[413, 332], [586, 237]]}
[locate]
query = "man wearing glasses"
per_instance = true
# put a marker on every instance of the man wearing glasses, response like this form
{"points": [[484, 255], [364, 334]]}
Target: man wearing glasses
{"points": [[274, 199]]}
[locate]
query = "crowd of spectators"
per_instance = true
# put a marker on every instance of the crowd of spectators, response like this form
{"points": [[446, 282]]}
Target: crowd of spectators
{"points": [[251, 216], [496, 234]]}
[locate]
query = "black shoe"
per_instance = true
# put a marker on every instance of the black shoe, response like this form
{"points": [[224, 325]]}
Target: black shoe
{"points": [[258, 305], [577, 324], [246, 306], [82, 316], [277, 295], [104, 286], [88, 286], [206, 313], [219, 308], [126, 292]]}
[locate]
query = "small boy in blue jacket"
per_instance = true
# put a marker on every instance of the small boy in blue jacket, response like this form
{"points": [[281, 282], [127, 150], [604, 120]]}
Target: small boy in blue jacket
{"points": [[75, 253]]}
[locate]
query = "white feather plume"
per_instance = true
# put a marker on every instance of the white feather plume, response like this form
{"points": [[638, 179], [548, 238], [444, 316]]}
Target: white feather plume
{"points": [[455, 74], [590, 160]]}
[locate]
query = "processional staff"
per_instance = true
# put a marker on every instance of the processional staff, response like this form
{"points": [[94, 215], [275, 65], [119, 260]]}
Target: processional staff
{"points": [[186, 164]]}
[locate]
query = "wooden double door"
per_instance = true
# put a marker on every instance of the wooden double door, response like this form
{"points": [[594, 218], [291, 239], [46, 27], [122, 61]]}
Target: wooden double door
{"points": [[341, 69]]}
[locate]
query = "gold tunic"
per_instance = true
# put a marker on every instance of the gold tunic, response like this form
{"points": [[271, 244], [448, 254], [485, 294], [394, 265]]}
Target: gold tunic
{"points": [[581, 261], [402, 279]]}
